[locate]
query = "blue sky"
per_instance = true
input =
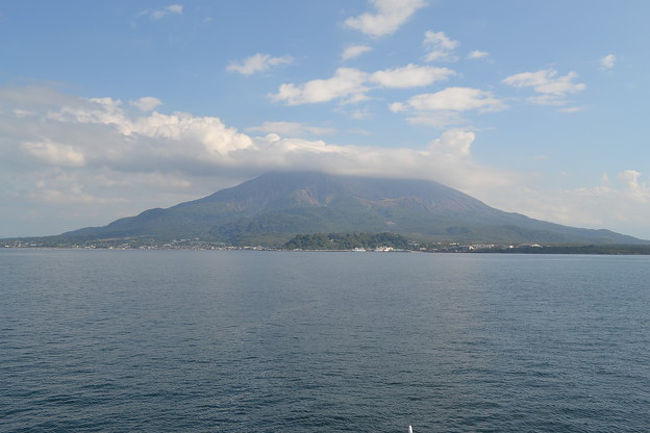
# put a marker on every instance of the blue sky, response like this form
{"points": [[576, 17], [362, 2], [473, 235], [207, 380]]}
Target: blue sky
{"points": [[110, 108]]}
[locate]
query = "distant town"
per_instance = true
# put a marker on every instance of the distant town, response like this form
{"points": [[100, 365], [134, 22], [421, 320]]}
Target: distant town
{"points": [[348, 242]]}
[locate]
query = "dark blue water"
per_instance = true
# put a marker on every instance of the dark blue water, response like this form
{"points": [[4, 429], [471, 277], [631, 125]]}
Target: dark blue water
{"points": [[180, 341]]}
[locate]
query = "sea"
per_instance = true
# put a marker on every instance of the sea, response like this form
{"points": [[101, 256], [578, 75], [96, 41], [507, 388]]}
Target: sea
{"points": [[254, 341]]}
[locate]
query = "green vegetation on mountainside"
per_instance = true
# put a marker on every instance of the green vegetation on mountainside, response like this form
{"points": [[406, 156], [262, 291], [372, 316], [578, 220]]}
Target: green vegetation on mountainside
{"points": [[347, 241]]}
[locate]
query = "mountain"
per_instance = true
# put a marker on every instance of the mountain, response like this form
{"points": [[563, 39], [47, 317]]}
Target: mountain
{"points": [[272, 208]]}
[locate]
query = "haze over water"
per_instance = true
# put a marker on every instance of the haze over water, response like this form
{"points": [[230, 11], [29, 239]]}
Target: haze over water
{"points": [[182, 341]]}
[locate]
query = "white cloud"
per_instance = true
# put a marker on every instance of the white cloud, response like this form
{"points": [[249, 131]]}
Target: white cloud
{"points": [[355, 51], [631, 178], [361, 114], [258, 63], [410, 76], [389, 16], [444, 108], [454, 141], [110, 160], [350, 85], [157, 14], [146, 103], [55, 153], [477, 54], [94, 110], [175, 9], [607, 62], [356, 98], [291, 128], [438, 119], [552, 89], [439, 46], [455, 99], [639, 191], [22, 113], [346, 83], [208, 132], [569, 109], [207, 139]]}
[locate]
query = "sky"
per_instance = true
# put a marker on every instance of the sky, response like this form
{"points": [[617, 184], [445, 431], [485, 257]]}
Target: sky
{"points": [[111, 108]]}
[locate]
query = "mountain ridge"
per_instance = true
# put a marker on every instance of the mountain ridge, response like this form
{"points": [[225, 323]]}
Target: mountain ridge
{"points": [[272, 208]]}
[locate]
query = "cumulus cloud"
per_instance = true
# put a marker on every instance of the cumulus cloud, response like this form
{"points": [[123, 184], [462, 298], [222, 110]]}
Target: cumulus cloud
{"points": [[397, 107], [552, 88], [355, 51], [638, 190], [146, 103], [350, 85], [410, 76], [439, 47], [607, 62], [257, 63], [207, 132], [55, 153], [291, 128], [444, 108], [112, 161], [454, 142], [158, 14], [477, 54], [346, 83], [389, 15], [452, 99]]}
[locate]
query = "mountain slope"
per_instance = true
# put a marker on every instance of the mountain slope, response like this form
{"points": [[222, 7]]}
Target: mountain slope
{"points": [[273, 207]]}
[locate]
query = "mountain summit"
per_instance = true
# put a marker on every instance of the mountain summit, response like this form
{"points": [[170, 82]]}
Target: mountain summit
{"points": [[273, 207]]}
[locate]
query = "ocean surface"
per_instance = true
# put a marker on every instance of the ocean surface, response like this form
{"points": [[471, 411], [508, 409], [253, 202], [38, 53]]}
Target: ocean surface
{"points": [[205, 341]]}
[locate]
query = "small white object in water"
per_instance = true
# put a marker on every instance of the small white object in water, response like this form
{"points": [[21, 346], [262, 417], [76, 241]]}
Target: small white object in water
{"points": [[410, 429]]}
